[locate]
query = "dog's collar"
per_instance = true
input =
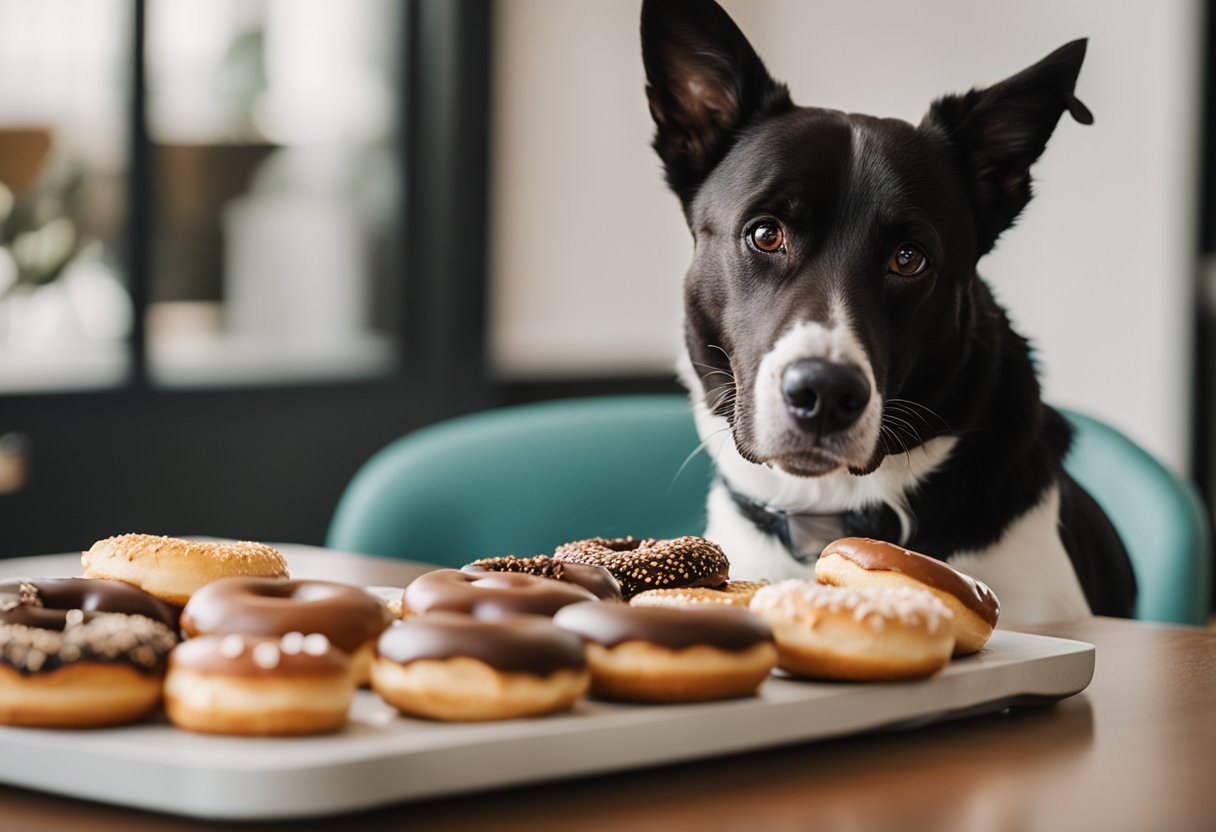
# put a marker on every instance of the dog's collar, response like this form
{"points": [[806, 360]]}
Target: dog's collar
{"points": [[777, 522]]}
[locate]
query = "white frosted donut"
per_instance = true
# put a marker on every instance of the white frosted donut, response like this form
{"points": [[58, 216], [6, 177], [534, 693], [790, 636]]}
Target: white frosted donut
{"points": [[828, 632], [173, 569], [862, 562]]}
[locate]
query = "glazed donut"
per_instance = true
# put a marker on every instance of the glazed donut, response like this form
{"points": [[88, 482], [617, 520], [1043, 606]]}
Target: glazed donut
{"points": [[173, 569], [77, 653], [258, 686], [458, 668], [595, 578], [659, 654], [350, 618], [734, 594], [491, 594], [870, 634], [639, 565], [860, 561]]}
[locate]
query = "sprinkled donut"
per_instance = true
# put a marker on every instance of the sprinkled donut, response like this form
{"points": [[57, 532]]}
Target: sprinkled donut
{"points": [[173, 569], [658, 654], [462, 669], [349, 617], [595, 578], [78, 653], [259, 686], [734, 594], [639, 565], [491, 594], [871, 634], [860, 561]]}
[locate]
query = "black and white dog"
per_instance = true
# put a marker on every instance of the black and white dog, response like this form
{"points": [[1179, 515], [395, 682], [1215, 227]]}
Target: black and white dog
{"points": [[850, 372]]}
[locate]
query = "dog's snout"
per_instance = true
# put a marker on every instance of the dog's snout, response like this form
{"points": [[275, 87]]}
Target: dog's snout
{"points": [[822, 396]]}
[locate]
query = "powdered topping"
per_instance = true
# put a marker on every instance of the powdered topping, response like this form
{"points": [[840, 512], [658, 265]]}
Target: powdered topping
{"points": [[101, 637], [292, 643], [315, 644], [806, 601]]}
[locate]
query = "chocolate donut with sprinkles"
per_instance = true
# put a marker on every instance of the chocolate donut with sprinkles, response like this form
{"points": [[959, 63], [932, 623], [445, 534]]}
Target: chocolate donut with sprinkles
{"points": [[639, 565], [595, 578], [79, 653]]}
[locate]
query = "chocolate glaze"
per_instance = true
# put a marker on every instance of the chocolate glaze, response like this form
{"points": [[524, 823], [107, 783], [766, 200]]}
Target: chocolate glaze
{"points": [[491, 594], [727, 628], [205, 655], [518, 644], [595, 578], [640, 565], [878, 555], [44, 603], [346, 615]]}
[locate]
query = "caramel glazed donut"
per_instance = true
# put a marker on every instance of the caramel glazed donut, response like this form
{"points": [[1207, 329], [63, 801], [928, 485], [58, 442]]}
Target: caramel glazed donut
{"points": [[860, 562], [640, 565], [173, 569], [347, 616], [454, 667], [77, 653], [491, 594], [259, 686], [660, 654], [867, 634]]}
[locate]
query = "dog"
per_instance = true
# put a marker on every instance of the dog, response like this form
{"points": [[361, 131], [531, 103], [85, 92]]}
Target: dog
{"points": [[850, 372]]}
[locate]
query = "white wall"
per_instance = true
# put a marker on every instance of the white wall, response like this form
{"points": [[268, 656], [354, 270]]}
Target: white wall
{"points": [[589, 249]]}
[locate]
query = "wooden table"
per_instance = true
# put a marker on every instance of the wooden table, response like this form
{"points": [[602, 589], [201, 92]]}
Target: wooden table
{"points": [[1135, 751]]}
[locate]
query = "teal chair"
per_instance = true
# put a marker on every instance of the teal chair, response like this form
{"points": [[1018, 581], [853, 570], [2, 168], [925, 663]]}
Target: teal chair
{"points": [[524, 479]]}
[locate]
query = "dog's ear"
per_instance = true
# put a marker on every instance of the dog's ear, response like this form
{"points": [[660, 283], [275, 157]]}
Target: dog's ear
{"points": [[997, 134], [704, 82]]}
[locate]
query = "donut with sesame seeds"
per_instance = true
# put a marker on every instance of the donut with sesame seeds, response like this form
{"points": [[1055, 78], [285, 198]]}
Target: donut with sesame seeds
{"points": [[864, 634], [734, 594], [350, 617], [77, 653], [243, 685], [640, 565], [174, 569]]}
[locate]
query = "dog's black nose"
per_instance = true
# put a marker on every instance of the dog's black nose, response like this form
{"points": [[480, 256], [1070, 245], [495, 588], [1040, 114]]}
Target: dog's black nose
{"points": [[824, 397]]}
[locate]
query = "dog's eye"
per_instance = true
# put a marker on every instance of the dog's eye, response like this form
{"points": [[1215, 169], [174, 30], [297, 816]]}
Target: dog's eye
{"points": [[766, 236], [907, 261]]}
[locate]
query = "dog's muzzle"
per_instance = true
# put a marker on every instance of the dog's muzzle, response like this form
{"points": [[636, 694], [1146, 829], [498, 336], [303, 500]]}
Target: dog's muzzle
{"points": [[822, 397]]}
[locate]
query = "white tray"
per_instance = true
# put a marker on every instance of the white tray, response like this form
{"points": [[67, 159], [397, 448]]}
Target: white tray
{"points": [[382, 758]]}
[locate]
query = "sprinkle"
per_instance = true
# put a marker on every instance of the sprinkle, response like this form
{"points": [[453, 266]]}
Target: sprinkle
{"points": [[74, 618], [292, 643], [266, 655], [232, 646], [640, 564], [315, 644]]}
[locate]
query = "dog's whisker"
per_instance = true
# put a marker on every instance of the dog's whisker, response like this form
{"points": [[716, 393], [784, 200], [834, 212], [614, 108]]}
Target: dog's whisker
{"points": [[692, 454], [712, 367]]}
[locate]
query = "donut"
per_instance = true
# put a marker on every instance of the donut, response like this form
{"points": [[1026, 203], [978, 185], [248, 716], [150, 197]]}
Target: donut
{"points": [[660, 654], [735, 593], [78, 653], [258, 685], [595, 578], [348, 617], [457, 668], [860, 561], [867, 634], [491, 594], [639, 565], [393, 598], [173, 569]]}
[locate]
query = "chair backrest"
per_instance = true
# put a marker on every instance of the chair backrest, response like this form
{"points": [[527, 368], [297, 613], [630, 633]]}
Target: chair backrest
{"points": [[522, 480], [1160, 518]]}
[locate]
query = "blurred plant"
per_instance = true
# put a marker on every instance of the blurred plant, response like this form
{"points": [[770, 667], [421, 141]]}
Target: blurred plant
{"points": [[36, 232]]}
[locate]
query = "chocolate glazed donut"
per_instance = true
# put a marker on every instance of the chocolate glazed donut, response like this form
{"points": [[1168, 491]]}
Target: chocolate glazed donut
{"points": [[595, 578], [491, 594], [346, 615], [640, 565]]}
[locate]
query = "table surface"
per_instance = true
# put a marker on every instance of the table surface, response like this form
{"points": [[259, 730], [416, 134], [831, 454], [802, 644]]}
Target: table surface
{"points": [[1136, 751]]}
